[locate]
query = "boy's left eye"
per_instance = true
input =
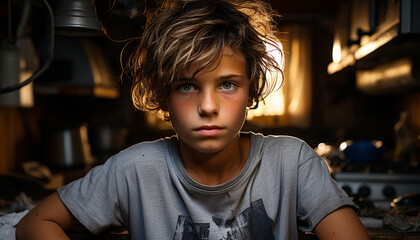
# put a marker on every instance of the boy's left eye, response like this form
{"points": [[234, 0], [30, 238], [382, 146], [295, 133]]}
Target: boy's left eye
{"points": [[227, 86]]}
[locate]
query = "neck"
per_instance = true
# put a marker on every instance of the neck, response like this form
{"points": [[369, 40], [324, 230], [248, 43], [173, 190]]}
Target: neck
{"points": [[215, 168]]}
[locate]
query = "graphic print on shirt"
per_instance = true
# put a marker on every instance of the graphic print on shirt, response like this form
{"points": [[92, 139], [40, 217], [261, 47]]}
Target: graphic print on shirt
{"points": [[253, 223]]}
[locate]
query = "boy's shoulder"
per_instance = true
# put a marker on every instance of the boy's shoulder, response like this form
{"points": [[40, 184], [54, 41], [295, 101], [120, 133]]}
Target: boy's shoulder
{"points": [[285, 140], [154, 145], [147, 152], [281, 145]]}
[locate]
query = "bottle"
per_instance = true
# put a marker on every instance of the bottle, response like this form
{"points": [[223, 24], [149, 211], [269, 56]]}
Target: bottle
{"points": [[403, 140]]}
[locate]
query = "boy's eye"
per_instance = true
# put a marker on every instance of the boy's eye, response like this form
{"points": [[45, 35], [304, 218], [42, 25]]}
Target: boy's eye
{"points": [[228, 86], [186, 87]]}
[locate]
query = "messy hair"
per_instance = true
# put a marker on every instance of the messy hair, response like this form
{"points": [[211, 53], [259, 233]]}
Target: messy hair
{"points": [[185, 32]]}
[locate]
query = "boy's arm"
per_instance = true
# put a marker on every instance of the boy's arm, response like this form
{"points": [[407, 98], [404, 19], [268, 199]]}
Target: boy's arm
{"points": [[343, 224], [50, 219]]}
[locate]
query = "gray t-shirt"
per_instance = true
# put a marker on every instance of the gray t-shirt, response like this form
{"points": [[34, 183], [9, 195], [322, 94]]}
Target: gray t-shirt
{"points": [[283, 185]]}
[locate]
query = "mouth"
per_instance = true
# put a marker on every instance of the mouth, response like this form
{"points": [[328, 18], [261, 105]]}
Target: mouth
{"points": [[209, 130]]}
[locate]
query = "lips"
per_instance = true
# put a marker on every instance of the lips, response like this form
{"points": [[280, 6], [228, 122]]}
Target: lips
{"points": [[209, 130]]}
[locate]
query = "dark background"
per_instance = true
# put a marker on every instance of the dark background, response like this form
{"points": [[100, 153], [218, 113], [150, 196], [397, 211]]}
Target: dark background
{"points": [[339, 111]]}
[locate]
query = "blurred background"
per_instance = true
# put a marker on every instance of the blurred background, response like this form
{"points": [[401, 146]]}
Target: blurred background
{"points": [[351, 88]]}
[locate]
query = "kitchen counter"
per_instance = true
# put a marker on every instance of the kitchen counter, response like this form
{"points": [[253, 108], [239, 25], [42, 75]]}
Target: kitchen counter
{"points": [[387, 233], [375, 234]]}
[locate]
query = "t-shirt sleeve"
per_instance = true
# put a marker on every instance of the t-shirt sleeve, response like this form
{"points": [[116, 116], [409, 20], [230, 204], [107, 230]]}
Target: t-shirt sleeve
{"points": [[318, 194], [93, 199]]}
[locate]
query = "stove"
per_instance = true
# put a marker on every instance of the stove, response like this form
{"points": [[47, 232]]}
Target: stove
{"points": [[378, 187]]}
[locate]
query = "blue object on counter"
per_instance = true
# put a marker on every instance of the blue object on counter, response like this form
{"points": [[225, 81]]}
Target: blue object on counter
{"points": [[362, 151]]}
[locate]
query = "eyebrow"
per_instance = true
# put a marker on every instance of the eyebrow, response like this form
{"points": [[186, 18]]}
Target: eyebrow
{"points": [[223, 77], [231, 76]]}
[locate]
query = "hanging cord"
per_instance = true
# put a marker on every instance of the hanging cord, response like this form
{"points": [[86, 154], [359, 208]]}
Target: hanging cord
{"points": [[50, 51], [24, 20], [9, 19]]}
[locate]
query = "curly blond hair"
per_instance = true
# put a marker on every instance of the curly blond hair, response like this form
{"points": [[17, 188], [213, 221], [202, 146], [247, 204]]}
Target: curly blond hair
{"points": [[183, 32]]}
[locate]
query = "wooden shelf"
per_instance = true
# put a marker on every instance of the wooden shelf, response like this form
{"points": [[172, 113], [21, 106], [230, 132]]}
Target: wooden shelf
{"points": [[96, 91]]}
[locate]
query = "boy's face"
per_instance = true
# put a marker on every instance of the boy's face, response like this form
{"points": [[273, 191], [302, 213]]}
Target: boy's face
{"points": [[208, 110]]}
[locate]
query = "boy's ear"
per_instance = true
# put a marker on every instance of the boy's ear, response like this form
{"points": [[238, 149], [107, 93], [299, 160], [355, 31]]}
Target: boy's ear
{"points": [[164, 107], [250, 102]]}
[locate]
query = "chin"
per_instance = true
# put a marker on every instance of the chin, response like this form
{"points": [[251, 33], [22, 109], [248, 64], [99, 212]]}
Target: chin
{"points": [[208, 147]]}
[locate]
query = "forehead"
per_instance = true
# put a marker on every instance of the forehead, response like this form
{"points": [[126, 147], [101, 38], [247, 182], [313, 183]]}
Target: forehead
{"points": [[229, 58]]}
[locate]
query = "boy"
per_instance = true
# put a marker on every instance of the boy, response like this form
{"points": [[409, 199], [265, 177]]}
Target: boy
{"points": [[202, 64]]}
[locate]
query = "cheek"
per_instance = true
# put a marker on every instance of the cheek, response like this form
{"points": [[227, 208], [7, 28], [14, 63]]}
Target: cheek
{"points": [[237, 106], [178, 110], [240, 100]]}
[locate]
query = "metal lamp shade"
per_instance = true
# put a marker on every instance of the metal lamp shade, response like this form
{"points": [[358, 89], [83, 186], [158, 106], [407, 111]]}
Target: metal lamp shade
{"points": [[77, 18]]}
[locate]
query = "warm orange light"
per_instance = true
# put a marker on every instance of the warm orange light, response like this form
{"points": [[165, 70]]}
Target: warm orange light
{"points": [[274, 103], [336, 52]]}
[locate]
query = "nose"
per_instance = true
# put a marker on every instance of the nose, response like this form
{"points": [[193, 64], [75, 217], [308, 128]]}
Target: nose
{"points": [[209, 104]]}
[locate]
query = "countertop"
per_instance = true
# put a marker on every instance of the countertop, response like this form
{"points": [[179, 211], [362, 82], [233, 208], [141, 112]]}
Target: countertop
{"points": [[375, 234]]}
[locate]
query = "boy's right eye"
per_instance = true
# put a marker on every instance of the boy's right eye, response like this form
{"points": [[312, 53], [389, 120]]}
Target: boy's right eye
{"points": [[186, 87]]}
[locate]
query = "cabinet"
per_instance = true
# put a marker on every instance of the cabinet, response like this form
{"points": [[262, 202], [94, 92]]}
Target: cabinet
{"points": [[373, 36]]}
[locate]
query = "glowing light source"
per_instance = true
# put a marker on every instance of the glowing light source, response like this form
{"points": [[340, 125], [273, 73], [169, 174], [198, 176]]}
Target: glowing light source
{"points": [[274, 104], [343, 146], [336, 52]]}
